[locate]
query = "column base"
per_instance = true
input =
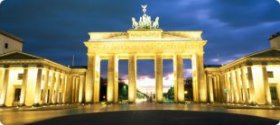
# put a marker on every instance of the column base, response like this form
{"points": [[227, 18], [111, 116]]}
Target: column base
{"points": [[159, 102], [36, 105], [131, 102], [180, 102], [21, 105], [2, 106], [89, 103]]}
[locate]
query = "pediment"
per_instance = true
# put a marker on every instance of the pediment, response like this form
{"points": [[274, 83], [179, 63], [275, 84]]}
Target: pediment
{"points": [[18, 55]]}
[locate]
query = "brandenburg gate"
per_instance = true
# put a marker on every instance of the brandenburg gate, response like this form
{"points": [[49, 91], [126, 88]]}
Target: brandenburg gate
{"points": [[145, 41]]}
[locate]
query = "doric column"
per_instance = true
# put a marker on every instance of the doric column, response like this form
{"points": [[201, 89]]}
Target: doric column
{"points": [[199, 84], [38, 87], [278, 83], [233, 86], [2, 74], [58, 86], [210, 89], [23, 87], [132, 78], [73, 89], [159, 77], [266, 85], [81, 89], [179, 88], [5, 86], [68, 89], [77, 89], [230, 88], [220, 86], [96, 79], [215, 92], [58, 89], [224, 88], [46, 85], [52, 88], [113, 82], [244, 85], [60, 92], [92, 79], [175, 72], [89, 80], [64, 89], [251, 85], [238, 88]]}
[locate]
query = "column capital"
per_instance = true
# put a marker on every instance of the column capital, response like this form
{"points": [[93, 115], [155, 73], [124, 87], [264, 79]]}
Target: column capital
{"points": [[6, 66], [40, 66], [264, 63], [197, 54]]}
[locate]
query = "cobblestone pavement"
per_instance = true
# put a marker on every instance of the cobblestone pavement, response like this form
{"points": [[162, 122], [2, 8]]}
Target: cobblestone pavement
{"points": [[27, 115]]}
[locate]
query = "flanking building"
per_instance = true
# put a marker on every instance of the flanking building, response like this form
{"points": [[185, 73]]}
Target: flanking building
{"points": [[252, 79], [9, 42], [27, 80]]}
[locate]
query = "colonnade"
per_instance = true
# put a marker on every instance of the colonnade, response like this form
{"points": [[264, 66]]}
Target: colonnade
{"points": [[39, 85], [93, 76], [248, 84]]}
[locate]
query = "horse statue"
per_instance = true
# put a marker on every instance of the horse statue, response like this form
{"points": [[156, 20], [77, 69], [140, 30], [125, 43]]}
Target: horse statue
{"points": [[135, 25], [156, 23]]}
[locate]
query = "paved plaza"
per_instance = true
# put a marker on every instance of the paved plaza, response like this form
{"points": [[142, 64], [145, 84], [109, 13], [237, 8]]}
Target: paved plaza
{"points": [[106, 114]]}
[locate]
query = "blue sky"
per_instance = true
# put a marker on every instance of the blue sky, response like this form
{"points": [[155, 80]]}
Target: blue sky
{"points": [[56, 29]]}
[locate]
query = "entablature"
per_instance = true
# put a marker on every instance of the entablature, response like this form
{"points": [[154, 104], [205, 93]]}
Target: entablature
{"points": [[149, 48], [151, 34]]}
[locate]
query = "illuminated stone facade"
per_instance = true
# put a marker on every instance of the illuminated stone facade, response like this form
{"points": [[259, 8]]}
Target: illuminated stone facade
{"points": [[145, 41], [253, 79], [136, 45], [27, 80]]}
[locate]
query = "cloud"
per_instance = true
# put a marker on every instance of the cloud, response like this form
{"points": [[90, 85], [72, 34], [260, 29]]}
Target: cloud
{"points": [[57, 29], [240, 13]]}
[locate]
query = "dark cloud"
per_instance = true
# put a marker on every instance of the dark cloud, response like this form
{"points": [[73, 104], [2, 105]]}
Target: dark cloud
{"points": [[244, 13], [56, 29]]}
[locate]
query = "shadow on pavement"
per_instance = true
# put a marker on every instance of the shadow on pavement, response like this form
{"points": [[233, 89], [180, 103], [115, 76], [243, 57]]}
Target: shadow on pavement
{"points": [[158, 118]]}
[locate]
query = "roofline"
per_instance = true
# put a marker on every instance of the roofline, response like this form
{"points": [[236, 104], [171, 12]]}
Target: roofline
{"points": [[274, 36], [11, 36], [16, 51], [244, 58], [45, 61]]}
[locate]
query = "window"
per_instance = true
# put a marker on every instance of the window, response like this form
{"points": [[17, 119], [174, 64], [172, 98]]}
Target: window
{"points": [[270, 74], [6, 45], [20, 76], [273, 91], [17, 95]]}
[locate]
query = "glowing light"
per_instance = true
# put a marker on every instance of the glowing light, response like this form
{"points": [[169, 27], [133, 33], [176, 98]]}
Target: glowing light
{"points": [[0, 4], [278, 1], [141, 100], [147, 85]]}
